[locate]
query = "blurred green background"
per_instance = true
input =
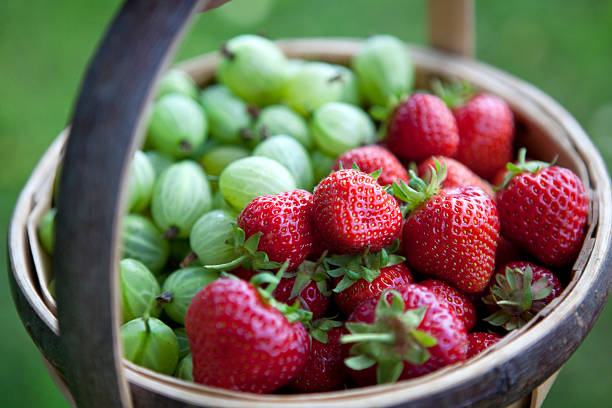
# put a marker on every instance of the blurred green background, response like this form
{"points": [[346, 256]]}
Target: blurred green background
{"points": [[562, 46]]}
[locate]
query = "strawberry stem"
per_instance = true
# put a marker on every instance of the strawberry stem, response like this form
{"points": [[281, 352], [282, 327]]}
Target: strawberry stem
{"points": [[228, 265], [418, 191], [388, 338], [522, 165]]}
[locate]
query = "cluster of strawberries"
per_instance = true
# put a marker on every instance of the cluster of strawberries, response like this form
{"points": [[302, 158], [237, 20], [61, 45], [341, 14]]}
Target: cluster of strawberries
{"points": [[387, 273]]}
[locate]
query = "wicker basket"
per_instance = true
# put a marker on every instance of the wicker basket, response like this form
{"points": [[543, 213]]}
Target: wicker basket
{"points": [[85, 361]]}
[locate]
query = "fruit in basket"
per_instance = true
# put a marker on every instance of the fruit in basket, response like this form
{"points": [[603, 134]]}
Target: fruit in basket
{"points": [[177, 81], [353, 212], [372, 158], [138, 290], [241, 342], [457, 174], [210, 238], [251, 177], [324, 369], [227, 114], [143, 241], [46, 231], [459, 302], [486, 134], [291, 154], [384, 70], [314, 84], [180, 287], [337, 127], [281, 120], [406, 333], [322, 165], [184, 370], [219, 157], [142, 179], [181, 195], [150, 343], [254, 68], [284, 222], [183, 342], [177, 126], [480, 341], [449, 234], [543, 210], [160, 161], [422, 126], [518, 291], [307, 293]]}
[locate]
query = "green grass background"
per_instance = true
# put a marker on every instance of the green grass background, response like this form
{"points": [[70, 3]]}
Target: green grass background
{"points": [[562, 46]]}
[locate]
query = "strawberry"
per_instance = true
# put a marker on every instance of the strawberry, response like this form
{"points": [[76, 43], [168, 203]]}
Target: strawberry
{"points": [[543, 210], [449, 234], [486, 134], [460, 303], [506, 252], [239, 340], [406, 333], [353, 212], [371, 158], [324, 370], [457, 174], [479, 341], [518, 292], [390, 277], [284, 222], [422, 126]]}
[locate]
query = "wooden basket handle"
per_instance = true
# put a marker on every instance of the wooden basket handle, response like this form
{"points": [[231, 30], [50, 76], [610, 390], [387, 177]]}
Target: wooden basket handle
{"points": [[106, 127]]}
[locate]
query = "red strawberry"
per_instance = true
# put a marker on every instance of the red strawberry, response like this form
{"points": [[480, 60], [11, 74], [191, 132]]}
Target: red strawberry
{"points": [[371, 158], [310, 297], [543, 210], [457, 175], [411, 329], [479, 341], [518, 292], [324, 370], [461, 304], [449, 234], [486, 134], [285, 223], [238, 341], [422, 126], [506, 252], [390, 277], [353, 212]]}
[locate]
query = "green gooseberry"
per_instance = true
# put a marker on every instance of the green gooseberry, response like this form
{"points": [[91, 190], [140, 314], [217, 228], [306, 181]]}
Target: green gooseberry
{"points": [[337, 127], [178, 125], [281, 120], [138, 290], [159, 161], [251, 177], [51, 287], [181, 195], [219, 157], [142, 179], [322, 165], [316, 83], [227, 114], [179, 82], [385, 71], [291, 154], [150, 343], [183, 342], [184, 370], [210, 238], [46, 231], [254, 68], [181, 286], [143, 241]]}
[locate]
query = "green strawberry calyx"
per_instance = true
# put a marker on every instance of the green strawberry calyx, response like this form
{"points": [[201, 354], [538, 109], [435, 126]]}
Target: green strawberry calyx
{"points": [[247, 254], [392, 339], [375, 174], [366, 265], [517, 297], [417, 191], [293, 312], [454, 94], [521, 166], [307, 272], [318, 328]]}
